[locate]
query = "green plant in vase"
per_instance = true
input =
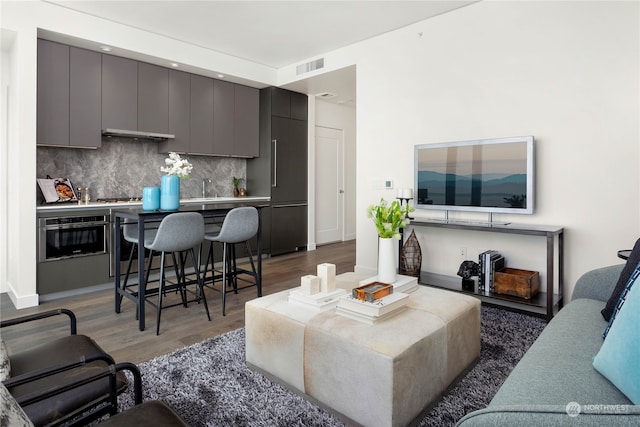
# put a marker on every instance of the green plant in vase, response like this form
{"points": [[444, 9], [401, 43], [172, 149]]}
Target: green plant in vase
{"points": [[389, 218]]}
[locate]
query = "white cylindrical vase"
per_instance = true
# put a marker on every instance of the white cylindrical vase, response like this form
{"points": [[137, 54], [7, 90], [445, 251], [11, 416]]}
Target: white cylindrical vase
{"points": [[386, 261]]}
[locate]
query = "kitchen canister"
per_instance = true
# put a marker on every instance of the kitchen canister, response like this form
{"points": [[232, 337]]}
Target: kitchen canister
{"points": [[151, 198], [169, 192]]}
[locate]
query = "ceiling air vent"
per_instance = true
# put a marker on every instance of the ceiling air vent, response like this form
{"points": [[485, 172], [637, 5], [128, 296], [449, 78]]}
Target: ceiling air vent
{"points": [[310, 66]]}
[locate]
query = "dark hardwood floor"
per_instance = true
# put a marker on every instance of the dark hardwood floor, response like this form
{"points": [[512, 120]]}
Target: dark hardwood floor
{"points": [[118, 334]]}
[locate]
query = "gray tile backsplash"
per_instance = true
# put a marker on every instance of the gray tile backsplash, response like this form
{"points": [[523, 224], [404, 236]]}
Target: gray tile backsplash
{"points": [[122, 166]]}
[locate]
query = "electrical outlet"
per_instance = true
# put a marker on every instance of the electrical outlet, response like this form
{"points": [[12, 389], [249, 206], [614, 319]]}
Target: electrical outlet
{"points": [[463, 252]]}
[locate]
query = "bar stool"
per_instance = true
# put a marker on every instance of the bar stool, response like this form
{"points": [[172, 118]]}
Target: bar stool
{"points": [[240, 225], [177, 233], [130, 234]]}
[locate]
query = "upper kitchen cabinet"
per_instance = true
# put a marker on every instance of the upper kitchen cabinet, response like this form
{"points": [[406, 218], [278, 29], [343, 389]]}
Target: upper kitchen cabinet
{"points": [[287, 104], [119, 93], [69, 106], [153, 98], [53, 94], [223, 117], [179, 113], [246, 121], [201, 119]]}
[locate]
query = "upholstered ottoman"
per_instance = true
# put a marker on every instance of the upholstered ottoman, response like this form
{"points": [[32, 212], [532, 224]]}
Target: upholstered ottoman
{"points": [[384, 374]]}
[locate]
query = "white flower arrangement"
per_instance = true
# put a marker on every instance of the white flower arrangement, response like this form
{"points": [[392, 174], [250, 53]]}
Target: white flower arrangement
{"points": [[177, 166]]}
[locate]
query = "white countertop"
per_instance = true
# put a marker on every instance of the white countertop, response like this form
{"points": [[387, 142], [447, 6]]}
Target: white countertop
{"points": [[54, 207]]}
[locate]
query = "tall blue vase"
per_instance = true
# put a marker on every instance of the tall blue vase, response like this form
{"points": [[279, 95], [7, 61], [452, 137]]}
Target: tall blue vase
{"points": [[170, 193]]}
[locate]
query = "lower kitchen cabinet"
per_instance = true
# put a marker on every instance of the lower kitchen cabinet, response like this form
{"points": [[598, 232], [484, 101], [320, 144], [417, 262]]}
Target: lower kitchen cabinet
{"points": [[72, 273], [288, 228]]}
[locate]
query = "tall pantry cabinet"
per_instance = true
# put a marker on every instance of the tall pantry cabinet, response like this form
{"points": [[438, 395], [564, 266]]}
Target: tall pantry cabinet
{"points": [[281, 169]]}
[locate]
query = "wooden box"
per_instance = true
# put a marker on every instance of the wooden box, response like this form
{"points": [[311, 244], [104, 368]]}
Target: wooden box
{"points": [[518, 283], [372, 291]]}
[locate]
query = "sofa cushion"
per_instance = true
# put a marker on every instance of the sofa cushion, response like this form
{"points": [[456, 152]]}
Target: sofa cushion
{"points": [[632, 262], [557, 369], [618, 358], [623, 297]]}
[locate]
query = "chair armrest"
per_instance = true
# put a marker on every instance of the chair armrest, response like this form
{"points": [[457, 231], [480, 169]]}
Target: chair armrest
{"points": [[81, 416], [18, 320], [42, 373]]}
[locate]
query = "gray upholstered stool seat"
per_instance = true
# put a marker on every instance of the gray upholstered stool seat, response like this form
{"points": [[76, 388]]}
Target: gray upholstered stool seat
{"points": [[178, 232], [239, 226]]}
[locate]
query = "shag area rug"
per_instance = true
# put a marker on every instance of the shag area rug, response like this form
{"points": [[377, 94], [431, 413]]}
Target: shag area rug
{"points": [[209, 384]]}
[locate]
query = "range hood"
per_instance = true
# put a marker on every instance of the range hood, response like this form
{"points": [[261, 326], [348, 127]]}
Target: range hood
{"points": [[137, 134]]}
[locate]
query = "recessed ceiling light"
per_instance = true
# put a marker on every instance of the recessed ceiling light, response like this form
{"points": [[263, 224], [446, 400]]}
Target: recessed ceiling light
{"points": [[105, 48], [175, 65], [221, 76]]}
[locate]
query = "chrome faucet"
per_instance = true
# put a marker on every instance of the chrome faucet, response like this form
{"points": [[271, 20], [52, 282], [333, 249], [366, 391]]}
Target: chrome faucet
{"points": [[205, 181]]}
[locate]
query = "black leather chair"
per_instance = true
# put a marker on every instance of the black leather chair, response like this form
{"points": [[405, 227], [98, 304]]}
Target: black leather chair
{"points": [[152, 413], [25, 378]]}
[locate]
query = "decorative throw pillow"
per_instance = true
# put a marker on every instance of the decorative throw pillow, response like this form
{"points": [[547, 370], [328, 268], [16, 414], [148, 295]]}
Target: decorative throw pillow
{"points": [[623, 297], [618, 357], [5, 365], [632, 262], [11, 414]]}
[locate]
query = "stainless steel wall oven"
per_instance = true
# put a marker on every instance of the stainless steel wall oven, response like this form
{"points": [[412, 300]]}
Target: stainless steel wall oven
{"points": [[72, 236]]}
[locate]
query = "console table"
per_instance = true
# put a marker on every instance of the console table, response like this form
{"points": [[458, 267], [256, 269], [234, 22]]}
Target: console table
{"points": [[544, 304]]}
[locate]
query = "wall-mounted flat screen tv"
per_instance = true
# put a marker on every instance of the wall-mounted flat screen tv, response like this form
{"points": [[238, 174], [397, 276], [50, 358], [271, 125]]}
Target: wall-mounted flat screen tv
{"points": [[488, 175]]}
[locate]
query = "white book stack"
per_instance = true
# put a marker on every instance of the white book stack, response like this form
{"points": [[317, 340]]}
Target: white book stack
{"points": [[372, 312], [403, 283]]}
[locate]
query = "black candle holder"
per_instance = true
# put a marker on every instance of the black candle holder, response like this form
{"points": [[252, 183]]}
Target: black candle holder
{"points": [[405, 200]]}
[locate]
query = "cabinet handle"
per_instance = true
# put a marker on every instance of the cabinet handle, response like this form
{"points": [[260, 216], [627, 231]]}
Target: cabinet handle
{"points": [[275, 163]]}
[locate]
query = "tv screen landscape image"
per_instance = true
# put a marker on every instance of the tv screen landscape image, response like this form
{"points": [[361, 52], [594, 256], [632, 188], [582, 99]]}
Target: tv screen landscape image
{"points": [[490, 175]]}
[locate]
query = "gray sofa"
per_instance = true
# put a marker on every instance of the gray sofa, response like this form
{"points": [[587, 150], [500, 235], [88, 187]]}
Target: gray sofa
{"points": [[556, 376]]}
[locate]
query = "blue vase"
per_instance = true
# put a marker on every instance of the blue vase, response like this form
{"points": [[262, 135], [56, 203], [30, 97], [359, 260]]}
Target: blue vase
{"points": [[170, 193]]}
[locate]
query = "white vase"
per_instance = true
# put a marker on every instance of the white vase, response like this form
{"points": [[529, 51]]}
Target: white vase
{"points": [[386, 261]]}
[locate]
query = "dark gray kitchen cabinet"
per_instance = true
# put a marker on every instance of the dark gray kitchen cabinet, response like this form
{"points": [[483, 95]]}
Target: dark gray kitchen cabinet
{"points": [[289, 160], [223, 118], [288, 104], [281, 170], [201, 120], [288, 229], [153, 98], [52, 94], [85, 110], [179, 113], [68, 111], [246, 121], [299, 106], [119, 93]]}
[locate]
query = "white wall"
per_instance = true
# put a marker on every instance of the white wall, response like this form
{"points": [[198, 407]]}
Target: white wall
{"points": [[565, 72]]}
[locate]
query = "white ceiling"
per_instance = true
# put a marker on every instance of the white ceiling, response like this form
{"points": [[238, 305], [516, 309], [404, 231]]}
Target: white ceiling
{"points": [[271, 33]]}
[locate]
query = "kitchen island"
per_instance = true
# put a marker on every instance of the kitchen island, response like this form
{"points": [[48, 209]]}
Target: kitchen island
{"points": [[202, 206]]}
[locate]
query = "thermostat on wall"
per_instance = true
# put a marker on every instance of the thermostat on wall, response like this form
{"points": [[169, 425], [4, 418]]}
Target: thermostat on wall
{"points": [[388, 184]]}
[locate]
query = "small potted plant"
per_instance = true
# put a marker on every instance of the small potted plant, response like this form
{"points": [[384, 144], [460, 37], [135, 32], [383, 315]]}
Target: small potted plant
{"points": [[236, 186]]}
